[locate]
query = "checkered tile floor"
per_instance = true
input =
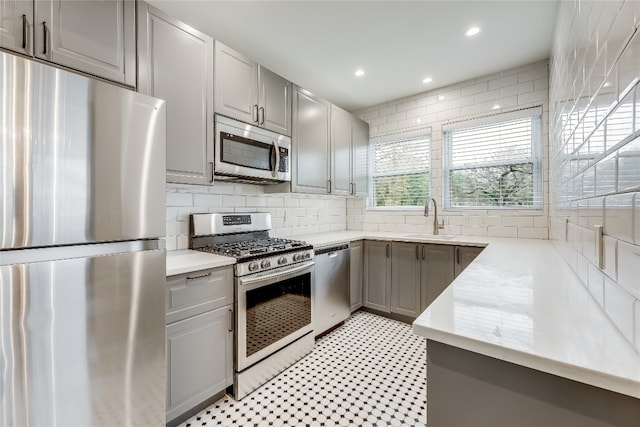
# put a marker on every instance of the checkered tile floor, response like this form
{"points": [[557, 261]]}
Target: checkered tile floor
{"points": [[369, 372]]}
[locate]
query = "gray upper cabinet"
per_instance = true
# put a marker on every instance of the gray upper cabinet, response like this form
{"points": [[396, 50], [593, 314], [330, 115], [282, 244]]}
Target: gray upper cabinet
{"points": [[405, 278], [340, 152], [95, 37], [176, 64], [377, 275], [465, 256], [16, 25], [436, 272], [359, 157], [246, 91], [310, 160], [323, 129], [274, 112], [236, 85]]}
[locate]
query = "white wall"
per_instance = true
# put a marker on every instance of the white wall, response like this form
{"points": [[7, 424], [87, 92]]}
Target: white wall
{"points": [[513, 89], [291, 214], [596, 61]]}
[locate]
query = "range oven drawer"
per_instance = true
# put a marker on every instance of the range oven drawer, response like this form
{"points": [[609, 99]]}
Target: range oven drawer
{"points": [[194, 293]]}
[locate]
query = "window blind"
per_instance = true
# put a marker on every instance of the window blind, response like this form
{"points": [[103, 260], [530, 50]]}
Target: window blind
{"points": [[400, 171], [495, 164]]}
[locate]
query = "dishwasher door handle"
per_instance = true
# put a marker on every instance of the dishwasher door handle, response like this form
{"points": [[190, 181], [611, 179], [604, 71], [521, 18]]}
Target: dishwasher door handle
{"points": [[332, 254]]}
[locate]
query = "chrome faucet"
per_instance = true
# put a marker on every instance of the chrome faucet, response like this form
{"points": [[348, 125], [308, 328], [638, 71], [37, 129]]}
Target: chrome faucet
{"points": [[436, 226]]}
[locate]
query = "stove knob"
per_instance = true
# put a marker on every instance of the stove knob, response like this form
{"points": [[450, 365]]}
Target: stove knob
{"points": [[296, 257], [265, 263], [282, 260], [253, 266], [307, 255]]}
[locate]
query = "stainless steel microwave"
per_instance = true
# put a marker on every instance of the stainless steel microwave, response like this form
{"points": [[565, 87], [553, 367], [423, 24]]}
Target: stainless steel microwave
{"points": [[249, 153]]}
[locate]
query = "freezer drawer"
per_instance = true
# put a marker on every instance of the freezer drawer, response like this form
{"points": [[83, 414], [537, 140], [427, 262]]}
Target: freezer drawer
{"points": [[82, 341]]}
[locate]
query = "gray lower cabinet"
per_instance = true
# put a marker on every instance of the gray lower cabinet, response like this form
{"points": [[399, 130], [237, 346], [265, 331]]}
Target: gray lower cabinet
{"points": [[405, 278], [465, 256], [377, 275], [93, 37], [436, 272], [199, 337], [176, 64], [199, 353], [356, 255]]}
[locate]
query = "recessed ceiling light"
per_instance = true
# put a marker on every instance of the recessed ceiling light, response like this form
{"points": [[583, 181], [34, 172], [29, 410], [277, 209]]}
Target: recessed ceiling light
{"points": [[441, 97], [427, 80], [359, 73], [606, 84], [495, 107], [472, 31]]}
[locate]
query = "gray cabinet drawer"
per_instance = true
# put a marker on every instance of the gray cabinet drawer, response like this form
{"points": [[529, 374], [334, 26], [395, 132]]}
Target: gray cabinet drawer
{"points": [[194, 293]]}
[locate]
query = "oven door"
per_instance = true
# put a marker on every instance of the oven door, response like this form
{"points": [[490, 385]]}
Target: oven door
{"points": [[251, 152], [273, 310]]}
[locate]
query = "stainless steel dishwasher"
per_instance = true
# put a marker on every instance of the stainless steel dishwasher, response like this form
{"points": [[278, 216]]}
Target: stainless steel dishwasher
{"points": [[331, 304]]}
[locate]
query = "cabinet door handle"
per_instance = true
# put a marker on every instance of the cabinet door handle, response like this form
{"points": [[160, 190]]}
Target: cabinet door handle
{"points": [[261, 116], [199, 277], [24, 31], [254, 113], [328, 186], [230, 320], [211, 171], [422, 251], [388, 249], [44, 37], [458, 255], [417, 251]]}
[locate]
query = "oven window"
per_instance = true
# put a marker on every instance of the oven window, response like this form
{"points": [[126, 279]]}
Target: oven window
{"points": [[277, 310], [245, 152]]}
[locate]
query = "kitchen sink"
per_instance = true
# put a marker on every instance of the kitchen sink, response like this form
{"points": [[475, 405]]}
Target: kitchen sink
{"points": [[431, 236]]}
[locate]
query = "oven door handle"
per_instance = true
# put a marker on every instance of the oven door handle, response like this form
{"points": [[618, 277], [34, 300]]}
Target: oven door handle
{"points": [[246, 281]]}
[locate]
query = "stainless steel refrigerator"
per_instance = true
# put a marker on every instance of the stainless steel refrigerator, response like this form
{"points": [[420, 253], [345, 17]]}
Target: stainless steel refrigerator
{"points": [[82, 263]]}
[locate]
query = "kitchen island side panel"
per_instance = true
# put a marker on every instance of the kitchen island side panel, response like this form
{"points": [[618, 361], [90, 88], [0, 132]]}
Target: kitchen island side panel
{"points": [[467, 389]]}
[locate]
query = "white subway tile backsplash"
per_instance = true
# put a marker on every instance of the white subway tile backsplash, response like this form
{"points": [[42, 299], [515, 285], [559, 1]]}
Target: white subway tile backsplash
{"points": [[618, 216], [592, 61], [233, 201], [595, 280], [619, 306], [179, 199], [610, 257], [629, 268]]}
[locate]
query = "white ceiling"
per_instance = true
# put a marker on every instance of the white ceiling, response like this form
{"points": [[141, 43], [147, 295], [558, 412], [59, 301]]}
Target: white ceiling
{"points": [[319, 44]]}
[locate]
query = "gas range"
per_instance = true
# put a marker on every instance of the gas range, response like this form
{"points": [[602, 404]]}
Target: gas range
{"points": [[246, 238], [273, 293]]}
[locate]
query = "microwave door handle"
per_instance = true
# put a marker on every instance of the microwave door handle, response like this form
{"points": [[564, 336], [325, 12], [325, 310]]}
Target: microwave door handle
{"points": [[276, 155]]}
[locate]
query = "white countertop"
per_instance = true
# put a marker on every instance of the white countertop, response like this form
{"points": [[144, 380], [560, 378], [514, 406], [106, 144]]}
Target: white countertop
{"points": [[521, 303], [187, 261]]}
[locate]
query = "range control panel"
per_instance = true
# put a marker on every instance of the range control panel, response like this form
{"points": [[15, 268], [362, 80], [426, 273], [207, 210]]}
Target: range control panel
{"points": [[236, 219]]}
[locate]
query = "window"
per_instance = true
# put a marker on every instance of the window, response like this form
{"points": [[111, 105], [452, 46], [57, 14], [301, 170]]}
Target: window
{"points": [[400, 170], [494, 163]]}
